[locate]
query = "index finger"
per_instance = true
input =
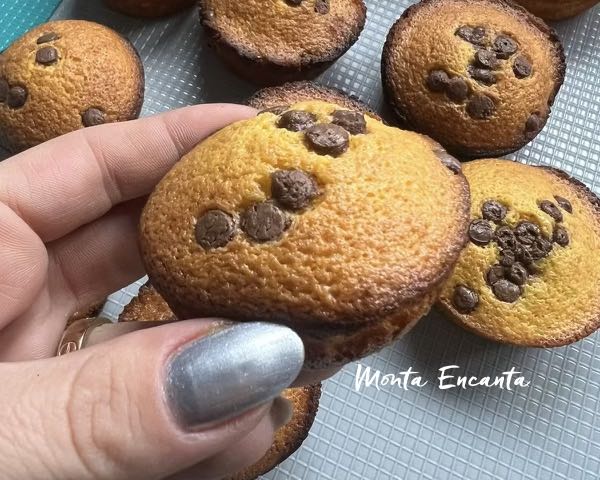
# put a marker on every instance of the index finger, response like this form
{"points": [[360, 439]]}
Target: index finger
{"points": [[72, 180]]}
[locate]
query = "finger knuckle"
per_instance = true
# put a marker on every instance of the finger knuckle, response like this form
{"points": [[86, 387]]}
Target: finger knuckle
{"points": [[103, 417]]}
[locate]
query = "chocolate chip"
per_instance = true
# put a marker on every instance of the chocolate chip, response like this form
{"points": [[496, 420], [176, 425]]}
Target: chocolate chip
{"points": [[476, 35], [322, 6], [505, 238], [526, 232], [533, 124], [548, 207], [523, 254], [481, 107], [506, 291], [276, 110], [4, 87], [264, 222], [540, 248], [437, 80], [17, 96], [48, 37], [507, 258], [494, 211], [564, 203], [465, 300], [297, 120], [486, 59], [482, 75], [480, 232], [352, 122], [293, 189], [504, 47], [522, 67], [294, 3], [560, 236], [92, 117], [448, 160], [46, 55], [457, 89], [214, 229], [328, 139], [495, 273], [517, 274]]}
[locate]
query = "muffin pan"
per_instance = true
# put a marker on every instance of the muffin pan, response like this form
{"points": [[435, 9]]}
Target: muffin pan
{"points": [[550, 429]]}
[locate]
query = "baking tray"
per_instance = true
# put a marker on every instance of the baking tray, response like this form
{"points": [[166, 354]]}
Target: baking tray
{"points": [[548, 430]]}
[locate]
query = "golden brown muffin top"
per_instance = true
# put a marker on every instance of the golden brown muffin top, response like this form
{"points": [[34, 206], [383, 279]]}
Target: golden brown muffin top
{"points": [[305, 403], [479, 76], [294, 92], [315, 227], [287, 32], [556, 302], [557, 9], [64, 75]]}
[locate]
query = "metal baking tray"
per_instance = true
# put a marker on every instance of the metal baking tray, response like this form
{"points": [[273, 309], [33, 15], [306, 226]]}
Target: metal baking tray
{"points": [[550, 429]]}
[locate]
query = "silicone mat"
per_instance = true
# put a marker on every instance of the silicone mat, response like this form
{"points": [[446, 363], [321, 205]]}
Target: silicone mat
{"points": [[18, 16], [548, 430]]}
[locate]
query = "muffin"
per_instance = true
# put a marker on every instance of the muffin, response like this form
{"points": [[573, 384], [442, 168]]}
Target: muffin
{"points": [[149, 8], [91, 311], [150, 306], [147, 306], [63, 76], [557, 9], [309, 218], [478, 76], [529, 276], [289, 438], [274, 41], [281, 96]]}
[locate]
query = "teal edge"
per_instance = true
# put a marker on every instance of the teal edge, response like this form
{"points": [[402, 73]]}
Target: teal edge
{"points": [[19, 16]]}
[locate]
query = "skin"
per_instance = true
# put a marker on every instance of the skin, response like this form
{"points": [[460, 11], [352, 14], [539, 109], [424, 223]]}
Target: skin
{"points": [[69, 211]]}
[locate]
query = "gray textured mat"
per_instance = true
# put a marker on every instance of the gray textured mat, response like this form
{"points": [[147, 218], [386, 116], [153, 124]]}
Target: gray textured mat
{"points": [[548, 430]]}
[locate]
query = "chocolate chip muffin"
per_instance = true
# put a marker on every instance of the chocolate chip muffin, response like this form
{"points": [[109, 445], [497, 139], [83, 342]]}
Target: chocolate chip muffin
{"points": [[289, 438], [529, 276], [274, 41], [149, 8], [316, 217], [557, 9], [66, 75], [149, 306], [279, 98], [478, 76]]}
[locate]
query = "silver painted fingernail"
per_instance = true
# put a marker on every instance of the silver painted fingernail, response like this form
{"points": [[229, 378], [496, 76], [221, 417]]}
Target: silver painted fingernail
{"points": [[231, 371]]}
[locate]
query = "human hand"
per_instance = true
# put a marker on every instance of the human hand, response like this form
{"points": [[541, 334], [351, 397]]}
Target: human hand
{"points": [[164, 402]]}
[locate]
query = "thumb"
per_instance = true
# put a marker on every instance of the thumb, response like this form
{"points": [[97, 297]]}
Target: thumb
{"points": [[145, 405]]}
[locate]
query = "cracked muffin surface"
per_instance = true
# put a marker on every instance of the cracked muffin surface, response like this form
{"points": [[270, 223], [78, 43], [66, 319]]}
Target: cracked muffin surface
{"points": [[479, 76], [534, 230], [282, 96], [316, 217], [274, 41], [66, 75]]}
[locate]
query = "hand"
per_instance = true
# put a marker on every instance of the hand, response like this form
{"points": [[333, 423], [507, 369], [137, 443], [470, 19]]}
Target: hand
{"points": [[160, 402]]}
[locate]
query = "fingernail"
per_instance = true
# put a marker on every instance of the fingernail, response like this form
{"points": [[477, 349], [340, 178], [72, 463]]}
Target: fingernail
{"points": [[281, 412], [231, 371]]}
